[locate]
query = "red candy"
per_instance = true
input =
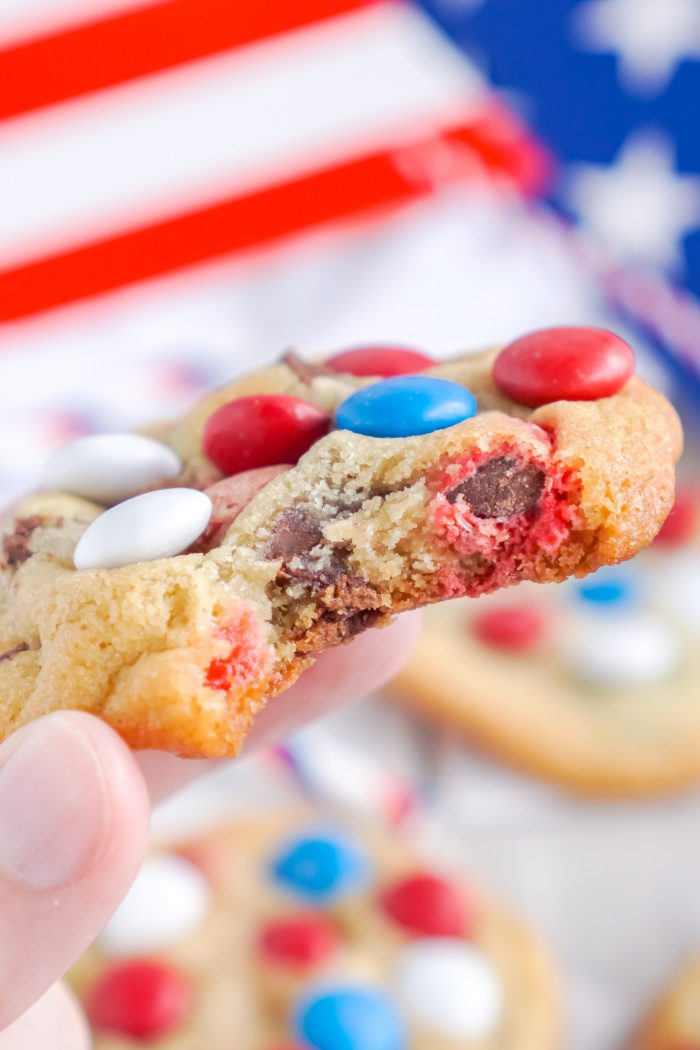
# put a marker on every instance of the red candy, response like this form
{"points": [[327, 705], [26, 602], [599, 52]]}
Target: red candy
{"points": [[563, 364], [679, 527], [140, 998], [427, 906], [515, 628], [262, 431], [384, 361], [299, 940]]}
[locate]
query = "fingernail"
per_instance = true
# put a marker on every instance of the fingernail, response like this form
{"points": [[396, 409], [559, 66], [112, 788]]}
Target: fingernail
{"points": [[54, 809]]}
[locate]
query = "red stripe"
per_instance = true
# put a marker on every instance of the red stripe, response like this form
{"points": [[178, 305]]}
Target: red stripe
{"points": [[103, 53], [241, 223]]}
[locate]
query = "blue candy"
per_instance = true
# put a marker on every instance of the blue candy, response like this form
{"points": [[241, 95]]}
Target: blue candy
{"points": [[320, 867], [606, 588], [349, 1018], [404, 406]]}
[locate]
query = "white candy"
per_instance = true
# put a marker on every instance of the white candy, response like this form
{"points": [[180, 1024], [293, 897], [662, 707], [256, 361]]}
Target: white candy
{"points": [[155, 525], [632, 650], [168, 901], [449, 988], [677, 586], [108, 468]]}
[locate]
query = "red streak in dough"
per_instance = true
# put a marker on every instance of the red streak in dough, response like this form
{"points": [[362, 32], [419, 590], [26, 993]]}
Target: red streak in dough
{"points": [[506, 545], [248, 655]]}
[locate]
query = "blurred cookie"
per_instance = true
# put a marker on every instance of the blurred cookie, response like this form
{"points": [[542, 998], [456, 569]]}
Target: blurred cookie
{"points": [[298, 933], [674, 1023], [593, 684]]}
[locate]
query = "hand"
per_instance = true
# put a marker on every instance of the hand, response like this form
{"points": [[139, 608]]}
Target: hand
{"points": [[74, 817]]}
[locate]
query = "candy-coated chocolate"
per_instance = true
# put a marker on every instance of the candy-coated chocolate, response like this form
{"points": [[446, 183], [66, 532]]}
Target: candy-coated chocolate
{"points": [[681, 524], [513, 628], [108, 468], [449, 988], [383, 361], [145, 528], [427, 906], [606, 588], [405, 406], [320, 868], [261, 431], [632, 650], [563, 364], [301, 941], [142, 998], [349, 1018], [167, 901]]}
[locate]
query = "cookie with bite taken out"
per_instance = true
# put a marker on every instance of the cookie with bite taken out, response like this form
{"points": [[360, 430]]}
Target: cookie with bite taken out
{"points": [[301, 932], [175, 582], [594, 685]]}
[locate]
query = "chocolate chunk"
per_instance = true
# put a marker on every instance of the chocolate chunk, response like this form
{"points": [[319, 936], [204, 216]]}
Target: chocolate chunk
{"points": [[16, 544], [21, 647], [304, 370], [347, 607], [501, 488], [295, 532]]}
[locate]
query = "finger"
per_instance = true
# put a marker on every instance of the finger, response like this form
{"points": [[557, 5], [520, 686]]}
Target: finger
{"points": [[55, 1021], [73, 831], [338, 676]]}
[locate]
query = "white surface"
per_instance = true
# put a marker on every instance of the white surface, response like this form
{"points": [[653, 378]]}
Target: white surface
{"points": [[622, 651], [155, 525], [678, 589], [449, 988], [108, 468], [167, 902]]}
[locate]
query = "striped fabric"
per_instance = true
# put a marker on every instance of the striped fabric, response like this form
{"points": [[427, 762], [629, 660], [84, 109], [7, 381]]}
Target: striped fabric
{"points": [[158, 136]]}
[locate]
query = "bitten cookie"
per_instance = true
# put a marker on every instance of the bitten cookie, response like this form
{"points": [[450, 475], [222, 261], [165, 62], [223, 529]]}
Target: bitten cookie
{"points": [[592, 684], [173, 583], [303, 934], [674, 1023]]}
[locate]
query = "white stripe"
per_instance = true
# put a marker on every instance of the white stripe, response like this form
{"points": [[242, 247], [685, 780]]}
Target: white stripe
{"points": [[153, 147], [23, 19]]}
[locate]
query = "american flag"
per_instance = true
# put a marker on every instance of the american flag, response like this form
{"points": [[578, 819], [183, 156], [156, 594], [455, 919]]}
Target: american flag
{"points": [[187, 185], [612, 88], [157, 136]]}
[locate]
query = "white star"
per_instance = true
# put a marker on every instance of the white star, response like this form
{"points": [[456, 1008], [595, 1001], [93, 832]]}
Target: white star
{"points": [[639, 206], [651, 37]]}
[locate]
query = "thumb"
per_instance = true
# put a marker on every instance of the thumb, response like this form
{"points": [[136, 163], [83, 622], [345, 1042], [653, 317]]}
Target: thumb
{"points": [[73, 831]]}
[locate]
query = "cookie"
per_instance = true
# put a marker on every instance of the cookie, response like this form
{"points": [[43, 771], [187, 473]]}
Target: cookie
{"points": [[300, 932], [173, 582], [594, 684], [674, 1023]]}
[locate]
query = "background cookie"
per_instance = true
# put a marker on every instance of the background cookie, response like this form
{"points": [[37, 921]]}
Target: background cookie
{"points": [[674, 1023], [300, 932], [592, 684]]}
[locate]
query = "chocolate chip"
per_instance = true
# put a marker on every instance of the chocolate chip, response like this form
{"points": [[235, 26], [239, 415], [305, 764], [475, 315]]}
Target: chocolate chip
{"points": [[346, 608], [304, 370], [501, 488], [16, 544], [21, 647], [294, 532]]}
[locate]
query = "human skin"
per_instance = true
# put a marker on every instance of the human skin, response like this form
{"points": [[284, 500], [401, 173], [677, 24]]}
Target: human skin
{"points": [[74, 817]]}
